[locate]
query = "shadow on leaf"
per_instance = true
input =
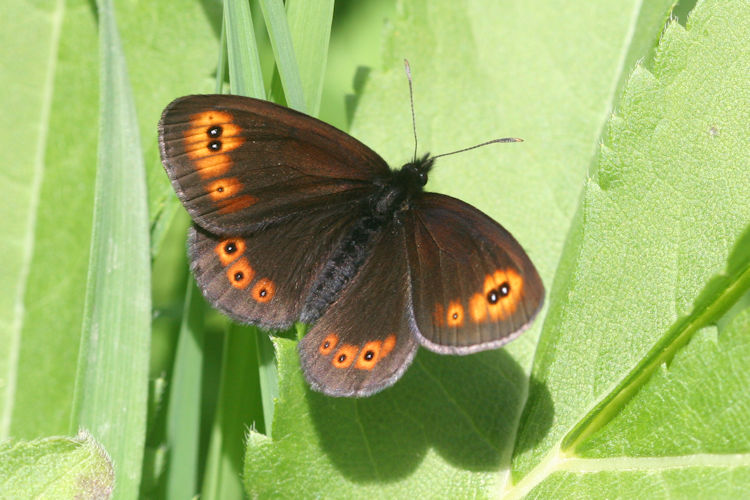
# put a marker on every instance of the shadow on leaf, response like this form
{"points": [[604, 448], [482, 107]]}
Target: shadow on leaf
{"points": [[464, 407]]}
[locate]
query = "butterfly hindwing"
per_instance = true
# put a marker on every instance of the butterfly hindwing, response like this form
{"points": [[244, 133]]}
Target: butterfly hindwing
{"points": [[472, 285], [264, 277], [241, 163], [363, 342]]}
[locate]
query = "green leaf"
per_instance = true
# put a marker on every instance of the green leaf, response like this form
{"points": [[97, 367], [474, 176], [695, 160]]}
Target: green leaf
{"points": [[448, 427], [49, 171], [659, 251], [46, 214], [56, 467], [685, 434], [112, 383]]}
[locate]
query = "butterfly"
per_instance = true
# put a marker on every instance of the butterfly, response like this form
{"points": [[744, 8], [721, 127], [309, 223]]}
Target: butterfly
{"points": [[295, 220]]}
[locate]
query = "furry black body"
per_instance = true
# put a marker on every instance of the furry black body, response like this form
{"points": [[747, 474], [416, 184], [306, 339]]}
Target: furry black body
{"points": [[379, 213]]}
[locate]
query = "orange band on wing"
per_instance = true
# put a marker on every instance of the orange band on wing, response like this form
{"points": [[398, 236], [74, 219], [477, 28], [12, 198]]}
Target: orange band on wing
{"points": [[502, 291], [388, 344], [213, 166], [210, 136], [235, 204]]}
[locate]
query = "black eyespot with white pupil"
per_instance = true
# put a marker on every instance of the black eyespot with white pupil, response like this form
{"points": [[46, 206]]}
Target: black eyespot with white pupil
{"points": [[369, 355], [230, 248], [214, 145], [215, 131], [342, 358], [263, 292], [238, 276], [326, 344], [498, 293]]}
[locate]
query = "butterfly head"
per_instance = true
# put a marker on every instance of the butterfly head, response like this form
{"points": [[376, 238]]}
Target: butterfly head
{"points": [[414, 173]]}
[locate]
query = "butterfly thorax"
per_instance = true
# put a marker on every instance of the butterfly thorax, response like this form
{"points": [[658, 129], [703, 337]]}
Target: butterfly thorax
{"points": [[380, 209]]}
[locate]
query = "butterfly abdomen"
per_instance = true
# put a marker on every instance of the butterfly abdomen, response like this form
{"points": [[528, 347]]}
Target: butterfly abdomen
{"points": [[342, 266], [353, 250]]}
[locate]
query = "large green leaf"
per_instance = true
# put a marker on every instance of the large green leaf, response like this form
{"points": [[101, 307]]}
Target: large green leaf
{"points": [[550, 76], [658, 252]]}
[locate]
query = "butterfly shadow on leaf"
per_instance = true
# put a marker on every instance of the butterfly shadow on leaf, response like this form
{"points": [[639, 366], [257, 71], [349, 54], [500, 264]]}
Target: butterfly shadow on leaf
{"points": [[465, 407]]}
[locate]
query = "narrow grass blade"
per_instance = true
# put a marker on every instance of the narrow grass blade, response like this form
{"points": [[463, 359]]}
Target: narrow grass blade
{"points": [[310, 26], [284, 53], [183, 416], [112, 381], [238, 398], [245, 76]]}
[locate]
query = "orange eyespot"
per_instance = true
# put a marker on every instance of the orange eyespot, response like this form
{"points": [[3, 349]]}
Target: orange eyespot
{"points": [[229, 250], [240, 274], [224, 192], [369, 355], [502, 291], [455, 315], [345, 356], [328, 344], [222, 189], [263, 291]]}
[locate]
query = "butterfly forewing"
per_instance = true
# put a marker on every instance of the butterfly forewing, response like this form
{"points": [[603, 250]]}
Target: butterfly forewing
{"points": [[472, 285], [363, 342], [240, 163]]}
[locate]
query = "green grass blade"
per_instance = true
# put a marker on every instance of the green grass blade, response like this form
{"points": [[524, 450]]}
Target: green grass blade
{"points": [[268, 379], [112, 381], [238, 399], [284, 53], [310, 26], [183, 415], [245, 75]]}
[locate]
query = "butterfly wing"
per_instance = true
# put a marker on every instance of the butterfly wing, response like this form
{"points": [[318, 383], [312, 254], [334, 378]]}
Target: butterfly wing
{"points": [[239, 163], [472, 285], [263, 277], [363, 342]]}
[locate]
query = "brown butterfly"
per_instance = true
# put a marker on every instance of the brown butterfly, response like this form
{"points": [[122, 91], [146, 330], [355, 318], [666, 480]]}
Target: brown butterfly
{"points": [[297, 220]]}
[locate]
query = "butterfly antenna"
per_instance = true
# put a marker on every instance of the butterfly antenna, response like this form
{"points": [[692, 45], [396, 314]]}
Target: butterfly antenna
{"points": [[407, 68], [493, 141]]}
